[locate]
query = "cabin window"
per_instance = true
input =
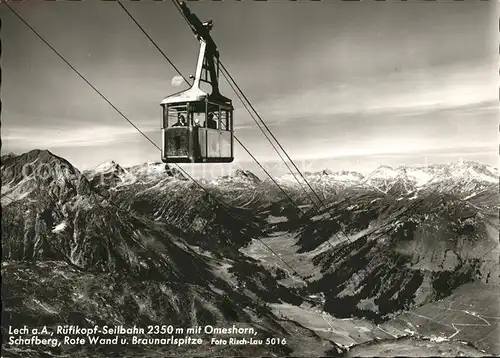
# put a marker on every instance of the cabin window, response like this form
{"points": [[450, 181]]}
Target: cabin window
{"points": [[225, 118], [218, 117], [177, 116], [212, 120], [221, 120]]}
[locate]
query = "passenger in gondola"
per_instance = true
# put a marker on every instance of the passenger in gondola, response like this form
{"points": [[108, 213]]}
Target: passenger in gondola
{"points": [[196, 138], [211, 123], [181, 121]]}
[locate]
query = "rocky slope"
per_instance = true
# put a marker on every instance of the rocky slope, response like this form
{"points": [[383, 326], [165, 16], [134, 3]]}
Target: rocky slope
{"points": [[78, 257], [402, 251], [139, 244], [395, 240]]}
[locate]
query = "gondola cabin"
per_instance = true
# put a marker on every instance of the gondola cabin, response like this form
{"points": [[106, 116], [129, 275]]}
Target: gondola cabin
{"points": [[197, 129], [197, 125]]}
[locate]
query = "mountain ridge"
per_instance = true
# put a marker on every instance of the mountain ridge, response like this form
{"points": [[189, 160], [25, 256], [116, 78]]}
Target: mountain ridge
{"points": [[374, 251], [434, 172]]}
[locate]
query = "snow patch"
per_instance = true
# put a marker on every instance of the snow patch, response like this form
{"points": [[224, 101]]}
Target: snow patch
{"points": [[346, 177], [276, 219], [106, 166], [11, 197], [487, 178], [421, 178], [384, 173], [438, 339], [60, 227]]}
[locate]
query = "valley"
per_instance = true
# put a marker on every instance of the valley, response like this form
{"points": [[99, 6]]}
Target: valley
{"points": [[402, 262]]}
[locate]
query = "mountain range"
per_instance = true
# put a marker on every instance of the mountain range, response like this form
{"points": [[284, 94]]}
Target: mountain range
{"points": [[369, 255]]}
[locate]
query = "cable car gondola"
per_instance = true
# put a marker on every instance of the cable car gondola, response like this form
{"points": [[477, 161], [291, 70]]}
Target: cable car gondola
{"points": [[198, 126]]}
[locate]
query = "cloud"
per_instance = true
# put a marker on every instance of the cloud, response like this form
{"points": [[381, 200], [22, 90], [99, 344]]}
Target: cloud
{"points": [[32, 137], [403, 93], [177, 81]]}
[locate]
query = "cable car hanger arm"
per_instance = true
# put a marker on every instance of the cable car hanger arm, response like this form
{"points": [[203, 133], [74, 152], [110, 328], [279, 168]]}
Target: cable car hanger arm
{"points": [[200, 29]]}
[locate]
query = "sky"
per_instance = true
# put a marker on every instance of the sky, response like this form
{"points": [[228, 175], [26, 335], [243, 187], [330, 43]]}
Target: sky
{"points": [[342, 85]]}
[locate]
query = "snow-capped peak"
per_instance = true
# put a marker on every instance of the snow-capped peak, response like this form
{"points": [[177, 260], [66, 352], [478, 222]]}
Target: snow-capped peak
{"points": [[240, 176], [153, 171], [149, 168], [325, 176], [247, 174], [406, 178], [347, 176], [110, 166]]}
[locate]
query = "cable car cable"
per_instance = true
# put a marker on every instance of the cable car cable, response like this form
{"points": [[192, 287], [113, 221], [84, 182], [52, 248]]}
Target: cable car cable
{"points": [[129, 121], [150, 39], [104, 98], [323, 204], [178, 7], [317, 196], [79, 74], [265, 134], [327, 209], [224, 69], [236, 138], [271, 133], [270, 176]]}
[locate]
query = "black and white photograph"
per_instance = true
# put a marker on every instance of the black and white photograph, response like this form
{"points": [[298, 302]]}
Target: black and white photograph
{"points": [[250, 178]]}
